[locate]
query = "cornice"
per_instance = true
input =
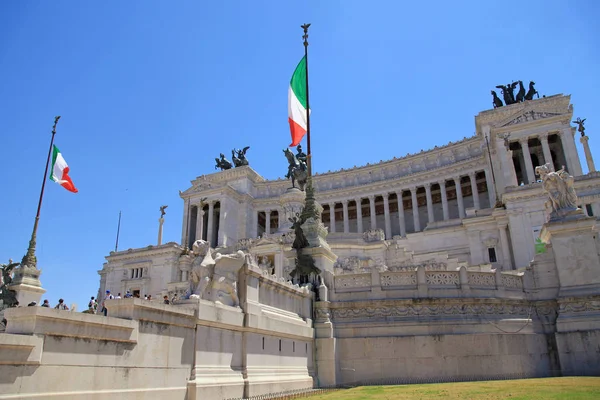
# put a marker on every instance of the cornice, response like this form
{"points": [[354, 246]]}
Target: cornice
{"points": [[170, 248]]}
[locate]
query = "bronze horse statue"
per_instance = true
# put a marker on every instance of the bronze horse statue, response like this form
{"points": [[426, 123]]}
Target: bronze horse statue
{"points": [[495, 100], [223, 163], [297, 170], [531, 91], [521, 93]]}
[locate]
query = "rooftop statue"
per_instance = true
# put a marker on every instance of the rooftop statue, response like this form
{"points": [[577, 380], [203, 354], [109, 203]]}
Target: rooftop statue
{"points": [[580, 128], [7, 296], [559, 186], [495, 100], [521, 93], [508, 92], [239, 156], [531, 91], [297, 168], [223, 163]]}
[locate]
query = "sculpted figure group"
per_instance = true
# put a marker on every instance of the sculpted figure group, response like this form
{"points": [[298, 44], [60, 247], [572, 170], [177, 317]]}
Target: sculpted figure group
{"points": [[509, 96], [214, 275], [238, 157], [559, 187]]}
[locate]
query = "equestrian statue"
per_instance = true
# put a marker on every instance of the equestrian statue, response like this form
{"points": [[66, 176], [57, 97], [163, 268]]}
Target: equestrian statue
{"points": [[297, 168]]}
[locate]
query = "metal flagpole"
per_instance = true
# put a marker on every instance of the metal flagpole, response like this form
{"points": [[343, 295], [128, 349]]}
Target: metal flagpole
{"points": [[308, 155], [29, 259], [118, 230]]}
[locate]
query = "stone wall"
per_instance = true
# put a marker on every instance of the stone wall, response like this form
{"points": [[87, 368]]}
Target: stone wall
{"points": [[196, 349]]}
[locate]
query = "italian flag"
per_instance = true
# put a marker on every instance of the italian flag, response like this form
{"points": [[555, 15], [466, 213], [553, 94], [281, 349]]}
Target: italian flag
{"points": [[60, 171], [297, 103]]}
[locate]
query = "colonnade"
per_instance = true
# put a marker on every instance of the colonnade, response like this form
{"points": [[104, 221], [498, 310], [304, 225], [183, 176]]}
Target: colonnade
{"points": [[202, 223], [457, 182], [525, 163]]}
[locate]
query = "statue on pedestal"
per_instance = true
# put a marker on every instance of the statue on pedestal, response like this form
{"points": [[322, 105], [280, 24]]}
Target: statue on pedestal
{"points": [[561, 193], [297, 168]]}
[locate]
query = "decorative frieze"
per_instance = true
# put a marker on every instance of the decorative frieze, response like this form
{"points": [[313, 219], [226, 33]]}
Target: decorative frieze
{"points": [[353, 281], [512, 281]]}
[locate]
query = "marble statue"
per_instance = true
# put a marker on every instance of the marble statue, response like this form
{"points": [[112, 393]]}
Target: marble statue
{"points": [[223, 163], [215, 278], [559, 187], [265, 265], [580, 127], [239, 157], [297, 169]]}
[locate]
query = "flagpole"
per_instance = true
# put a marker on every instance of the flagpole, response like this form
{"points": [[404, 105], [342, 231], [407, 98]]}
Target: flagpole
{"points": [[29, 259], [118, 230], [308, 155]]}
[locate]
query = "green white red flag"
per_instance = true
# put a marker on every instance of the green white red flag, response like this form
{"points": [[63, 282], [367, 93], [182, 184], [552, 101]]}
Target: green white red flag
{"points": [[297, 103], [60, 171]]}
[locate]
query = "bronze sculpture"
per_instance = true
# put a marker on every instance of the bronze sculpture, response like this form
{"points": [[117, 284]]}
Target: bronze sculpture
{"points": [[580, 128], [521, 93], [162, 210], [223, 163], [495, 100], [297, 168], [531, 91], [239, 157]]}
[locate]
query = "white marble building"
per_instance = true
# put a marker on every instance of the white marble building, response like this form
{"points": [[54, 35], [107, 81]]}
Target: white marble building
{"points": [[446, 215]]}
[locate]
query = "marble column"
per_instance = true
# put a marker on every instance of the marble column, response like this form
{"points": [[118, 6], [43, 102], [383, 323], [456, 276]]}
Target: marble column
{"points": [[490, 188], [571, 156], [527, 158], [345, 213], [161, 221], [372, 209], [507, 263], [459, 197], [588, 153], [401, 220], [209, 231], [184, 228], [386, 213], [415, 209], [268, 222], [546, 150], [332, 217], [199, 224], [444, 200], [430, 217], [474, 191], [359, 222], [254, 226]]}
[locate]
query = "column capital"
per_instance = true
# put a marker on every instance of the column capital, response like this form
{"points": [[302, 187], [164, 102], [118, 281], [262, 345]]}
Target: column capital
{"points": [[399, 193], [543, 136], [371, 197], [331, 205], [442, 183], [385, 195], [524, 141], [427, 185], [344, 202], [584, 139], [456, 179], [413, 189], [358, 200]]}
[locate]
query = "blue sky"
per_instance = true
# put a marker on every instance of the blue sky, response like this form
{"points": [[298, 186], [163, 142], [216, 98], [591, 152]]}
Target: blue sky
{"points": [[150, 92]]}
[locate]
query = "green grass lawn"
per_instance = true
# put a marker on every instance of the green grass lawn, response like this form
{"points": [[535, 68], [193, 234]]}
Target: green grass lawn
{"points": [[576, 388]]}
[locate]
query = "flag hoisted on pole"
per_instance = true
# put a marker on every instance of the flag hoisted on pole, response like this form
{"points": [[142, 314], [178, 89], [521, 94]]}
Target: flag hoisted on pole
{"points": [[298, 102], [59, 174]]}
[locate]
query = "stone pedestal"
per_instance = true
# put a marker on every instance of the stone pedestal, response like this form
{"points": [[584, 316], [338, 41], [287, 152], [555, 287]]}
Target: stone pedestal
{"points": [[574, 245], [588, 154], [26, 283], [292, 203]]}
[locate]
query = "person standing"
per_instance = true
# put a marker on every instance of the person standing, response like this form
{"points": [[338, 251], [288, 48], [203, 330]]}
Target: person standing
{"points": [[107, 297], [61, 305]]}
